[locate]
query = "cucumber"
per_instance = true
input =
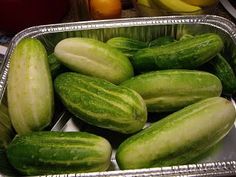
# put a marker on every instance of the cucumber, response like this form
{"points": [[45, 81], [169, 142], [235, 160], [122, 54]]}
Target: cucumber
{"points": [[6, 129], [30, 88], [163, 40], [180, 137], [128, 46], [185, 54], [222, 69], [55, 66], [94, 58], [101, 103], [186, 36], [44, 153], [5, 167], [171, 90]]}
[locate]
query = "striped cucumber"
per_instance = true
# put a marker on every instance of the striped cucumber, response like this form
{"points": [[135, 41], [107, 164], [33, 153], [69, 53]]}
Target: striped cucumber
{"points": [[55, 66], [30, 89], [180, 137], [186, 36], [94, 58], [170, 90], [126, 45], [41, 153], [101, 103], [184, 54], [222, 69], [163, 40]]}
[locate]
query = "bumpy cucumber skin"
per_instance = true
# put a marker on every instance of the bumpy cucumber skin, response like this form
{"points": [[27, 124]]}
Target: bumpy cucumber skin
{"points": [[184, 54], [222, 69], [41, 153], [180, 137], [30, 88], [94, 58], [126, 45], [171, 90], [55, 66], [101, 103], [161, 41]]}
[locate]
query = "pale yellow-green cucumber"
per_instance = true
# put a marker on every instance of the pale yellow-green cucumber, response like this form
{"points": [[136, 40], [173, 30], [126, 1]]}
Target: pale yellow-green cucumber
{"points": [[94, 58], [180, 137], [29, 89], [171, 90]]}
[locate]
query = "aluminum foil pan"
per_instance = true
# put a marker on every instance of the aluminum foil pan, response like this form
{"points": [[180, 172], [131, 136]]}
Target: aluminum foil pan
{"points": [[221, 161]]}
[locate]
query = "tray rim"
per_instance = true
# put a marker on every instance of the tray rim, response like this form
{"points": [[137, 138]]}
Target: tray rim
{"points": [[34, 31], [226, 168]]}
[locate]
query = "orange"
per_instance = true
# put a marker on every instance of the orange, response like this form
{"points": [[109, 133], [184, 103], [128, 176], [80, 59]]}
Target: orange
{"points": [[105, 9]]}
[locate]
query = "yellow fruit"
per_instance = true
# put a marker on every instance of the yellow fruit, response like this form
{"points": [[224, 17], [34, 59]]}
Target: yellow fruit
{"points": [[202, 3], [147, 3], [176, 6]]}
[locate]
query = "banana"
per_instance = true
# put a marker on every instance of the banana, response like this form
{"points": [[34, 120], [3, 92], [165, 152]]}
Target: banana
{"points": [[201, 3], [147, 3], [176, 6]]}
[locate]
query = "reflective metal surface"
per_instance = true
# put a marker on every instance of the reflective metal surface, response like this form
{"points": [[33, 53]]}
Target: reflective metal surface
{"points": [[220, 161]]}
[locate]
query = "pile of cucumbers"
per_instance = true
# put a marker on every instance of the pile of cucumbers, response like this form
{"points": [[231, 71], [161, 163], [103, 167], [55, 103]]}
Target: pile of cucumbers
{"points": [[114, 85]]}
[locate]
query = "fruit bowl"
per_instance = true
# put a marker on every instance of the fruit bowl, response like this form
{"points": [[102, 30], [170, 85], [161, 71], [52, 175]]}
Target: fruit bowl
{"points": [[174, 7]]}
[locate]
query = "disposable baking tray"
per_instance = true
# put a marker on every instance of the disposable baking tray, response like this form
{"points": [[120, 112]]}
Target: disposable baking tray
{"points": [[221, 161]]}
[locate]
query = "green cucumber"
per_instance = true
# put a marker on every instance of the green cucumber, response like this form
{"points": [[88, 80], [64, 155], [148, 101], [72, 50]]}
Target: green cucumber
{"points": [[185, 54], [180, 137], [55, 66], [222, 69], [186, 36], [94, 58], [30, 88], [46, 153], [5, 167], [126, 45], [170, 90], [163, 40], [6, 129], [101, 103]]}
